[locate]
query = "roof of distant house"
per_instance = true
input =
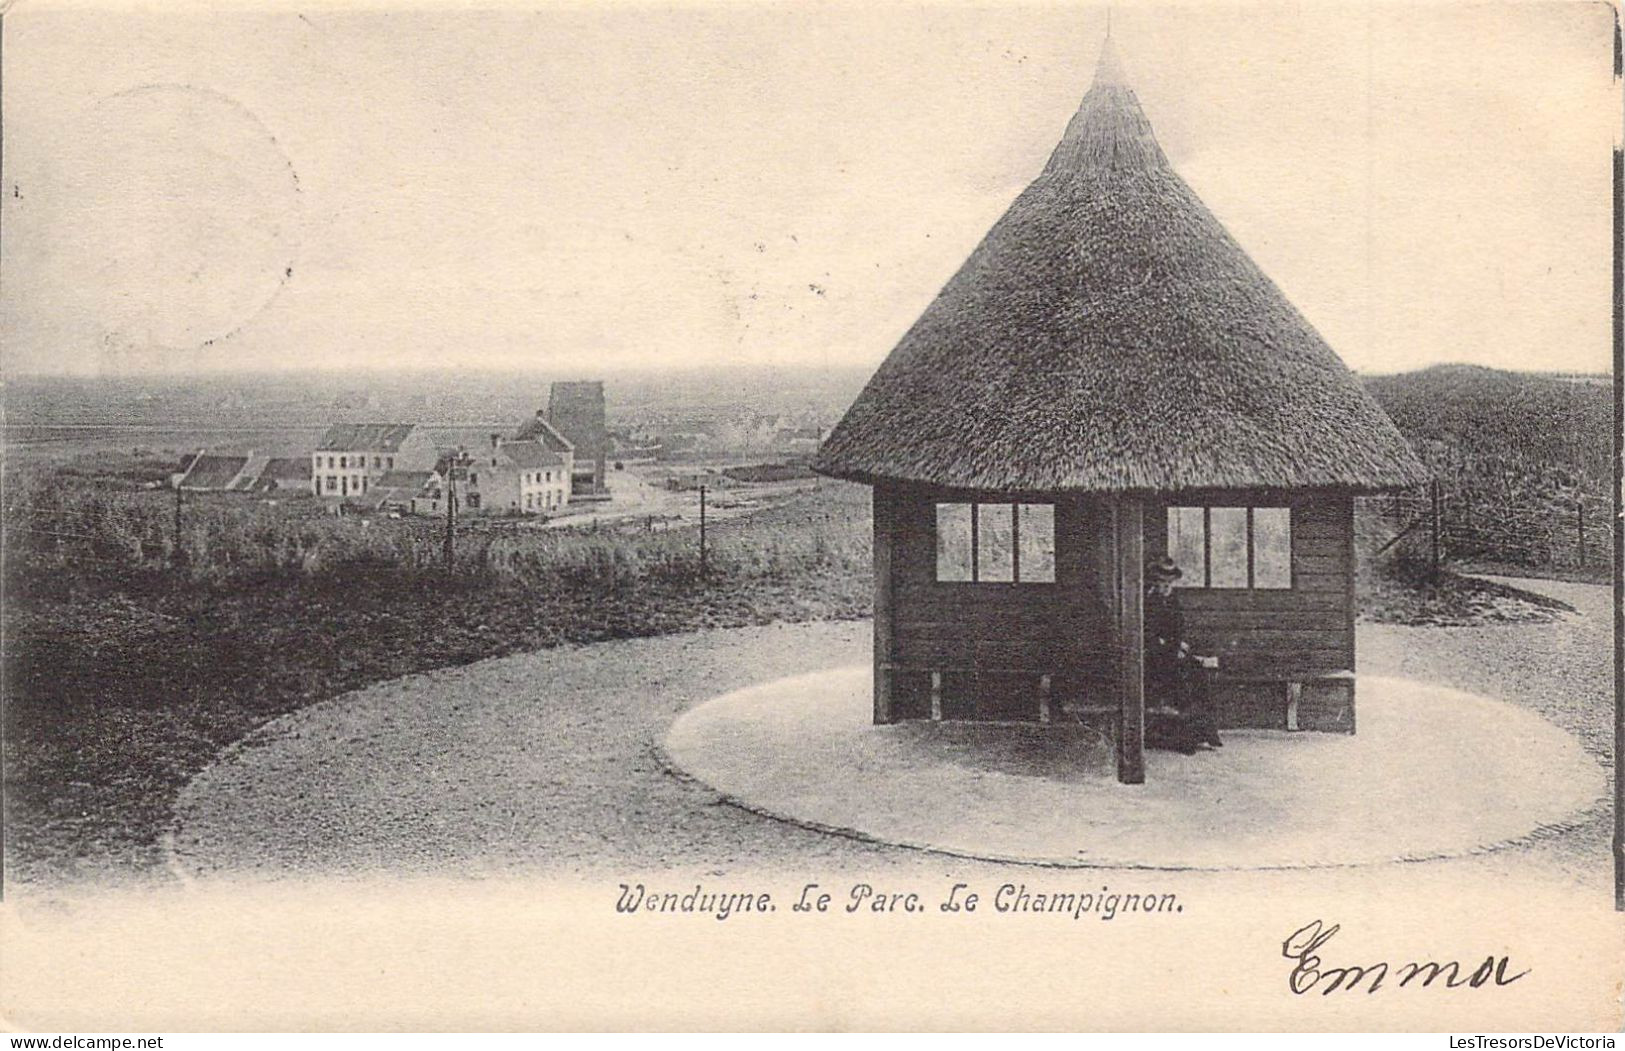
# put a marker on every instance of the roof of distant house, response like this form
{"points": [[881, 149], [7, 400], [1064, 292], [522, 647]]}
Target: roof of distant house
{"points": [[209, 471], [538, 429], [365, 437], [253, 467], [527, 455], [286, 469]]}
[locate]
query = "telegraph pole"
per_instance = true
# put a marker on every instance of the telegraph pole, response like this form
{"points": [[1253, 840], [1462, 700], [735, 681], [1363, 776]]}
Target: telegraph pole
{"points": [[451, 513], [177, 548], [703, 566]]}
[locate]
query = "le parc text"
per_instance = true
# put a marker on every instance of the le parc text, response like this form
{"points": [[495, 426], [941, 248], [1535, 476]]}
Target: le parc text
{"points": [[865, 898]]}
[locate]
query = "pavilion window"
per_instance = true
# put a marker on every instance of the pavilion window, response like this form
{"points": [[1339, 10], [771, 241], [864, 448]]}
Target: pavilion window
{"points": [[955, 557], [1037, 543], [1231, 547], [1272, 547], [1227, 547], [996, 543]]}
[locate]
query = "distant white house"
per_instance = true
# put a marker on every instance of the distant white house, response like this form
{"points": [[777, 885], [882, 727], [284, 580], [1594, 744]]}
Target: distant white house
{"points": [[511, 476], [353, 457]]}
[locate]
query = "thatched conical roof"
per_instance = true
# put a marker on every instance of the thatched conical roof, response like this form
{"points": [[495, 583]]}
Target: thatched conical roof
{"points": [[1109, 335]]}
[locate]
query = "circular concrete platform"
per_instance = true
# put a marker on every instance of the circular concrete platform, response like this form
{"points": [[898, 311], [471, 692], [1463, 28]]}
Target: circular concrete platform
{"points": [[1433, 772]]}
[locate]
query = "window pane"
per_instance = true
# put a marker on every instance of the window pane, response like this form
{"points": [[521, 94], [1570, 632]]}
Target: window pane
{"points": [[1272, 547], [995, 546], [1036, 524], [1185, 545], [953, 542], [1227, 553]]}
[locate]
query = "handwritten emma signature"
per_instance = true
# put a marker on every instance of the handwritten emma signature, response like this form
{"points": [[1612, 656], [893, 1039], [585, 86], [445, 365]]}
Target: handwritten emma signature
{"points": [[1309, 973]]}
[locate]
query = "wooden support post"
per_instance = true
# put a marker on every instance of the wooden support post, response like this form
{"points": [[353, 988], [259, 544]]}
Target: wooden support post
{"points": [[883, 504], [1131, 640], [936, 696], [1043, 699], [1294, 693]]}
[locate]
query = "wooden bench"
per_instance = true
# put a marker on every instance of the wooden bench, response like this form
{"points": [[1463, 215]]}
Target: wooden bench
{"points": [[1290, 683], [1292, 686], [1045, 676]]}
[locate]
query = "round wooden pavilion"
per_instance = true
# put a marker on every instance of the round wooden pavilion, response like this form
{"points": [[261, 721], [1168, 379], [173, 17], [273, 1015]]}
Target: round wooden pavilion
{"points": [[1109, 377]]}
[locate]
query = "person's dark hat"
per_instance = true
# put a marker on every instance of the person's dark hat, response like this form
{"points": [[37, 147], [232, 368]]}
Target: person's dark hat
{"points": [[1164, 570]]}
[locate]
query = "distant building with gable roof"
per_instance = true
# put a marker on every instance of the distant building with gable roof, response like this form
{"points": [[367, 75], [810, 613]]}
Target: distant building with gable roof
{"points": [[511, 476], [351, 457]]}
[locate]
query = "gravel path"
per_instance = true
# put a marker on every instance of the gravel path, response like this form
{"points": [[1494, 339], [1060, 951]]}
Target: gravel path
{"points": [[544, 762], [537, 762], [1565, 673], [1562, 670]]}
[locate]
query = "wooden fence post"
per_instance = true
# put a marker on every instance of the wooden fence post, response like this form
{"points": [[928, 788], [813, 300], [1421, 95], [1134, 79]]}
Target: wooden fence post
{"points": [[1580, 527], [1438, 524], [176, 558]]}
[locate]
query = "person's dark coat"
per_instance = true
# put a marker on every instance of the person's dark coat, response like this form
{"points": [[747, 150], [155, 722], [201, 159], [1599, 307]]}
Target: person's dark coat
{"points": [[1173, 681], [1164, 629]]}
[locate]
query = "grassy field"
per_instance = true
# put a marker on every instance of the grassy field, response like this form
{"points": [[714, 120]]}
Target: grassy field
{"points": [[1524, 463], [130, 662]]}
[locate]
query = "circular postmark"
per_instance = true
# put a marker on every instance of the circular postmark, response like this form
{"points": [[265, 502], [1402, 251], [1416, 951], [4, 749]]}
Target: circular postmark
{"points": [[182, 219]]}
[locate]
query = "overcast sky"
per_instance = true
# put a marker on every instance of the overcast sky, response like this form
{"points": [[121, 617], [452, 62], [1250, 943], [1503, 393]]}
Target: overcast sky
{"points": [[787, 184]]}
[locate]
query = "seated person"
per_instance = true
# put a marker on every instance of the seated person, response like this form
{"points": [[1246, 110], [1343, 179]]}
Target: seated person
{"points": [[1179, 709]]}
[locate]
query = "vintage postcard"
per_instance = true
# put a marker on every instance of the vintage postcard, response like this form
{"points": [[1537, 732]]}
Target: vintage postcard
{"points": [[810, 515]]}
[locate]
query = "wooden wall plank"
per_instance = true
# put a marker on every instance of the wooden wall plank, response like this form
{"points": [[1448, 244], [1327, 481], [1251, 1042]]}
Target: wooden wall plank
{"points": [[883, 503], [1276, 639], [1335, 583], [1283, 601], [1244, 619], [1327, 545], [1276, 665], [1131, 640]]}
